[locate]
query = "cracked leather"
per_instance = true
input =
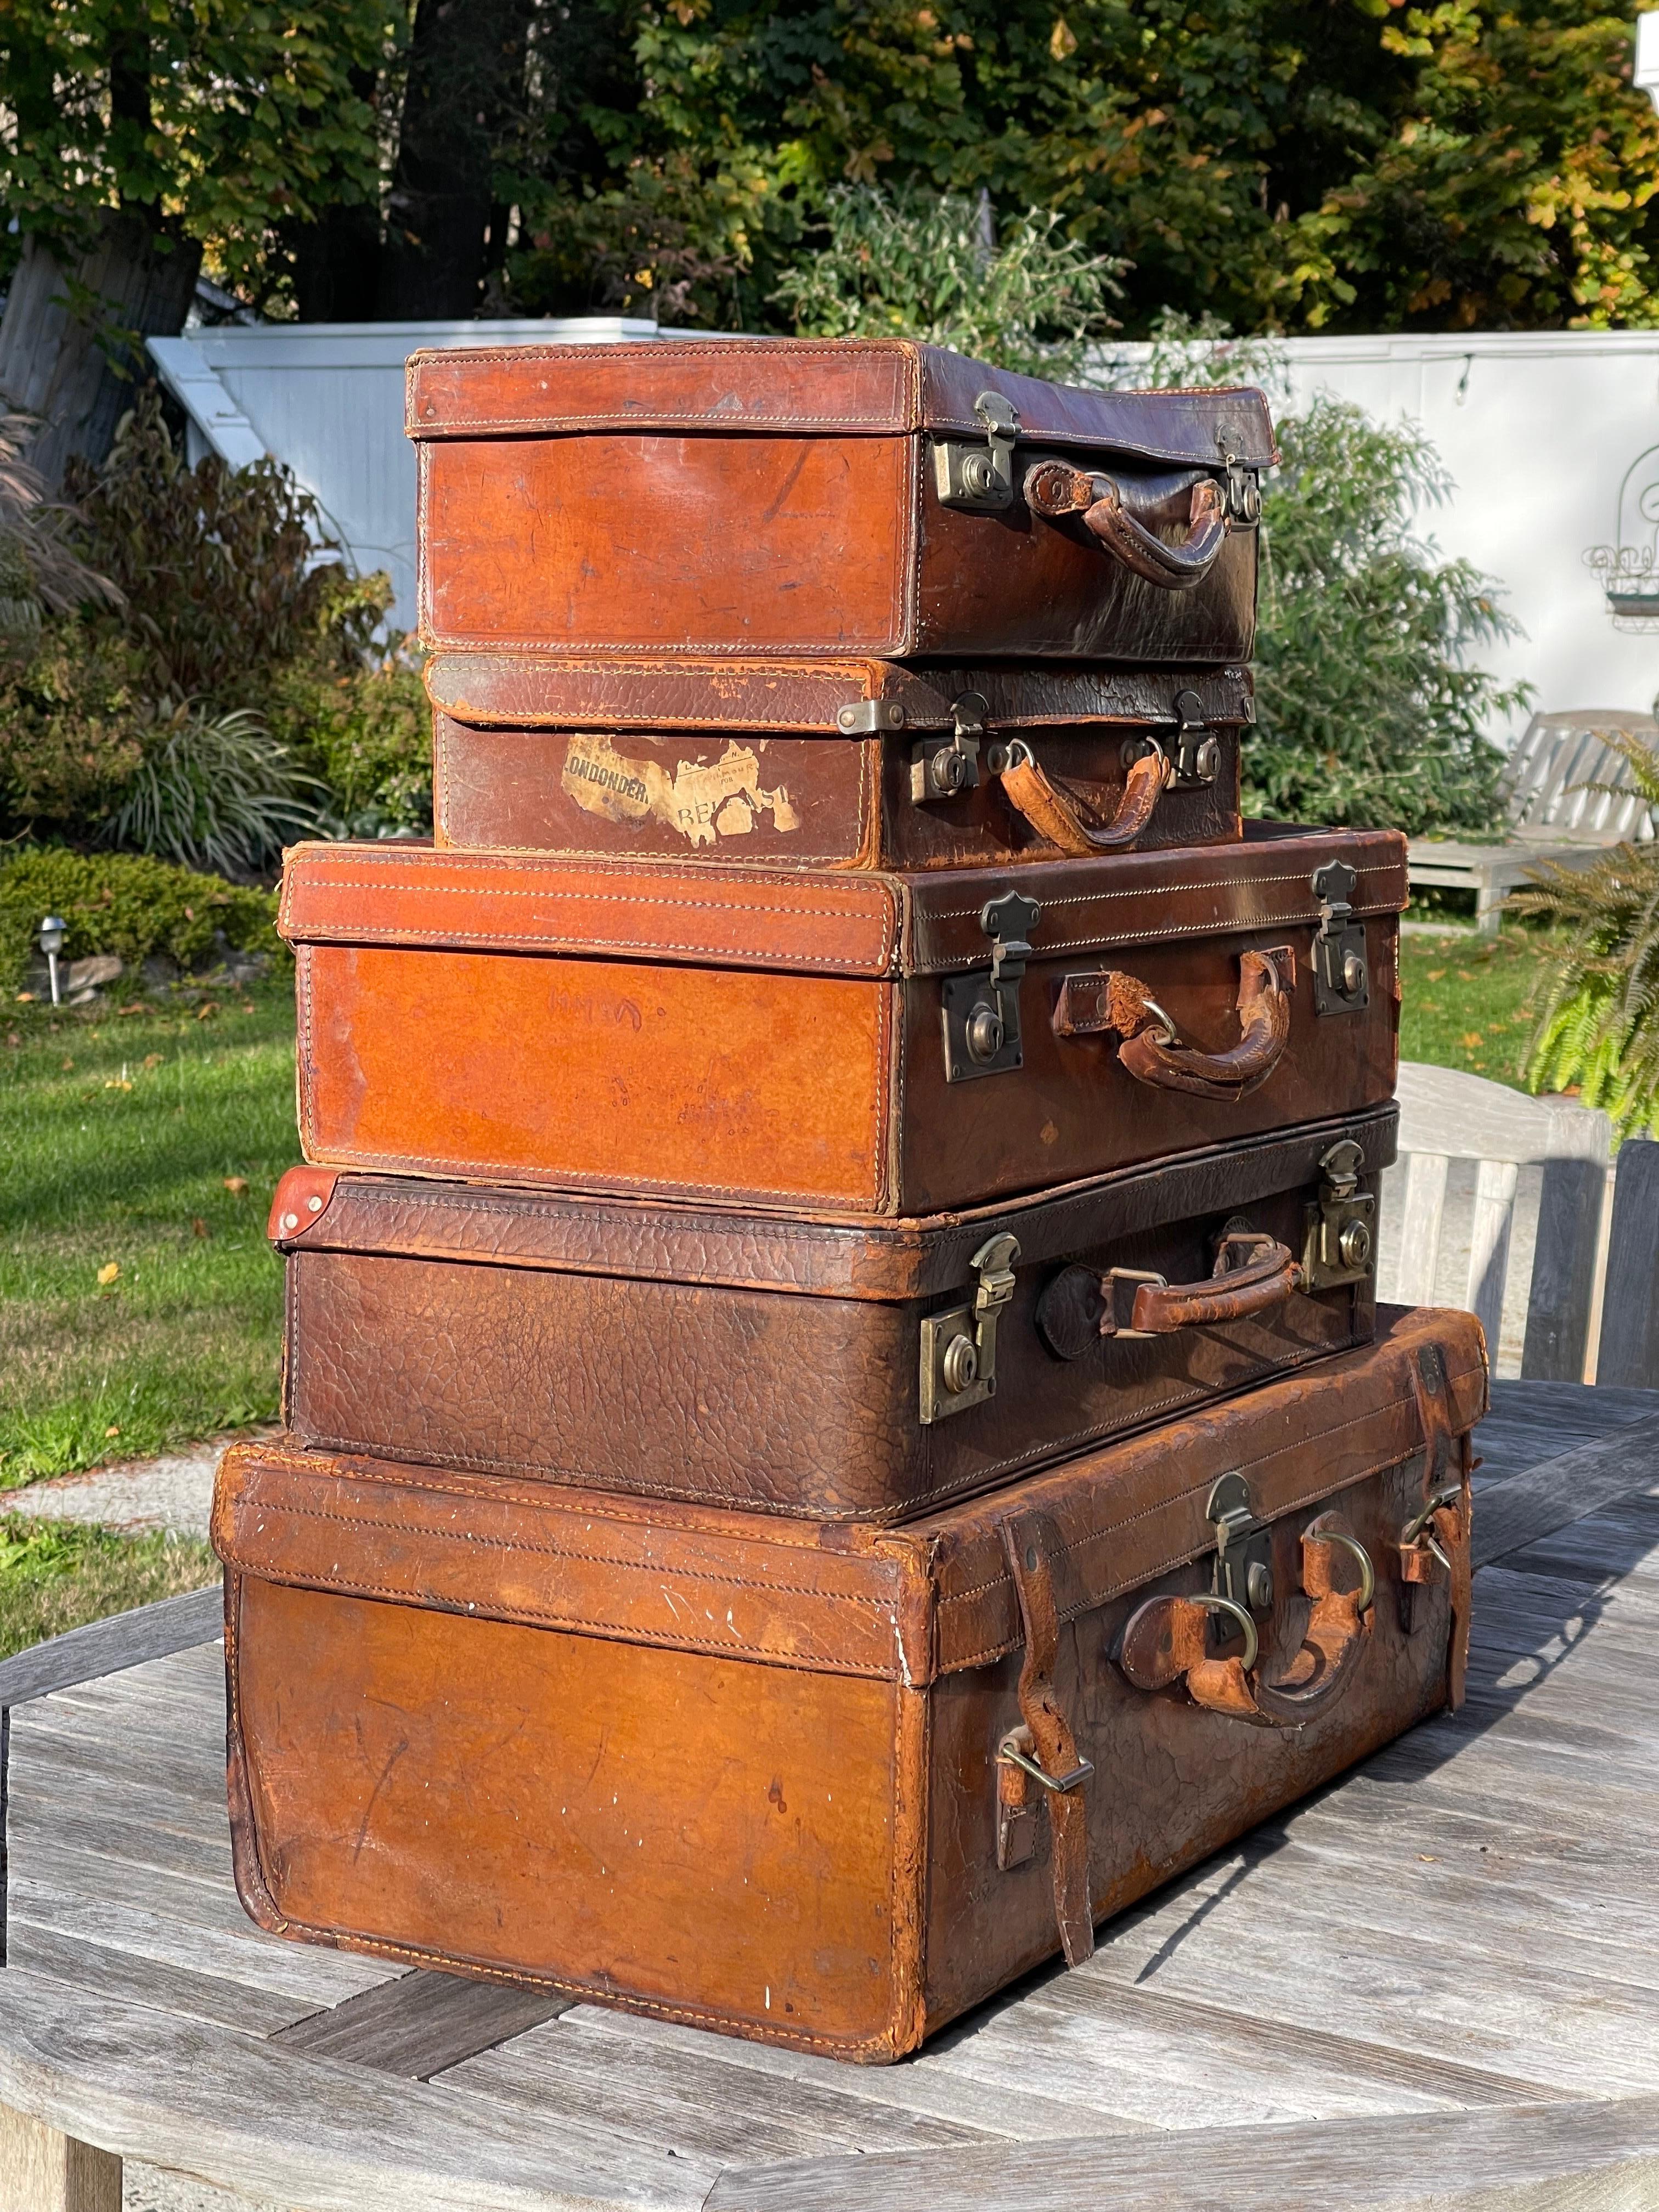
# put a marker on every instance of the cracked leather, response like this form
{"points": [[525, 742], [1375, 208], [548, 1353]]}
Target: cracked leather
{"points": [[773, 1039], [770, 1364], [803, 446], [503, 1728]]}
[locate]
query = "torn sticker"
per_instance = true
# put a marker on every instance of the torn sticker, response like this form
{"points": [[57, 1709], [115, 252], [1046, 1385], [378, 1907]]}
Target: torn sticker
{"points": [[703, 801]]}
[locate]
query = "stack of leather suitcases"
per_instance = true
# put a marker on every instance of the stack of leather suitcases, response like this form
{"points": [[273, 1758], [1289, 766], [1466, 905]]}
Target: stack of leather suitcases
{"points": [[839, 1430]]}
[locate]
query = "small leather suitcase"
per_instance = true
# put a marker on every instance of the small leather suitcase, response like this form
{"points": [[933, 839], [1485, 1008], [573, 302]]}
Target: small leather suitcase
{"points": [[831, 764], [870, 1370], [776, 496], [838, 1042], [829, 1787]]}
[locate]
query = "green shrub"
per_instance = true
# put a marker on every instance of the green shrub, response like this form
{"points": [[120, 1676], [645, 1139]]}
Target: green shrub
{"points": [[70, 719], [127, 905], [216, 791], [368, 733]]}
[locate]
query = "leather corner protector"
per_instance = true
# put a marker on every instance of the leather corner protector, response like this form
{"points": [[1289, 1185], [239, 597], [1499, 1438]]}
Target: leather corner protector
{"points": [[301, 1198]]}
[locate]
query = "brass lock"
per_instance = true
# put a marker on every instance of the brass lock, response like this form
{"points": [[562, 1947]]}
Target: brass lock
{"points": [[981, 1009], [1341, 985], [959, 1347], [1340, 1230], [942, 771], [981, 477], [1243, 1546]]}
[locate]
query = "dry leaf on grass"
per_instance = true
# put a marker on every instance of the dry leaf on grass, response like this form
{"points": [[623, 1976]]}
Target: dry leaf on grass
{"points": [[108, 1273]]}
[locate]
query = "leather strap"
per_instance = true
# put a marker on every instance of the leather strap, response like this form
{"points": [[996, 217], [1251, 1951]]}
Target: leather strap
{"points": [[1451, 1521], [1033, 1546], [1054, 489], [1065, 819], [1150, 1052]]}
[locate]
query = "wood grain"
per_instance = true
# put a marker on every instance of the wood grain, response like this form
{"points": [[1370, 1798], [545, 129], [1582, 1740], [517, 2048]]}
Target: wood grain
{"points": [[419, 2024], [124, 1640], [42, 2171]]}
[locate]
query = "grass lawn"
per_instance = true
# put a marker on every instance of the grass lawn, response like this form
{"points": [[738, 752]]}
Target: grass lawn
{"points": [[1467, 1001], [55, 1575], [140, 1305]]}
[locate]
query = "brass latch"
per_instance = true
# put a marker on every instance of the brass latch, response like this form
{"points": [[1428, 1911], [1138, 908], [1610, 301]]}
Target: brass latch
{"points": [[1243, 491], [1341, 983], [981, 1009], [959, 1348], [1339, 1239], [1194, 752], [942, 771], [979, 476], [1244, 1547]]}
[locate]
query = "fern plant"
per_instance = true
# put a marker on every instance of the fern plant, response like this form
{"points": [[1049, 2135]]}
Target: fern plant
{"points": [[216, 791], [1599, 1024]]}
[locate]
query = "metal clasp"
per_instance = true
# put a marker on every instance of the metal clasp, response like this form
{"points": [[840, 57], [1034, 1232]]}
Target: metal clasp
{"points": [[1242, 493], [1341, 985], [1338, 1242], [975, 477], [1243, 1546], [981, 1009], [959, 1347], [1194, 752], [942, 771], [870, 717]]}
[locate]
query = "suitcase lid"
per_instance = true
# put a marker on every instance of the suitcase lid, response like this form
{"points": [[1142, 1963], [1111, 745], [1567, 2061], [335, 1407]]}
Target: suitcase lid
{"points": [[526, 690], [492, 1224], [906, 1604], [820, 388], [701, 913]]}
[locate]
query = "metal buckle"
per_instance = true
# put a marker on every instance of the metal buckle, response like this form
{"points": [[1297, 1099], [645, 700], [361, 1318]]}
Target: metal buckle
{"points": [[981, 1009], [1008, 1754], [1417, 1529], [980, 478], [959, 1347]]}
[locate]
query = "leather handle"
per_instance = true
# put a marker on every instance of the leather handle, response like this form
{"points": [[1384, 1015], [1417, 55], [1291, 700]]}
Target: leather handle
{"points": [[1167, 1639], [1152, 1052], [1065, 820], [1161, 1309], [1054, 489]]}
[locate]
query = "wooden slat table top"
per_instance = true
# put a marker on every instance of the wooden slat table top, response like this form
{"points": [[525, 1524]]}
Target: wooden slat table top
{"points": [[1436, 1982]]}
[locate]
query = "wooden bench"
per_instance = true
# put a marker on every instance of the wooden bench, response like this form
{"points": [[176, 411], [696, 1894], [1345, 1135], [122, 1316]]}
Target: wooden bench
{"points": [[1542, 1164], [1550, 812], [1434, 1985]]}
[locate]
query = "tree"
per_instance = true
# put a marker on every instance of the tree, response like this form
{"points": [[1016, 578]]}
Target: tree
{"points": [[139, 133]]}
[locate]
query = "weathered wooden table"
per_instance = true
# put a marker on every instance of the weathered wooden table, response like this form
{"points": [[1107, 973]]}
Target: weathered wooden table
{"points": [[1435, 1985]]}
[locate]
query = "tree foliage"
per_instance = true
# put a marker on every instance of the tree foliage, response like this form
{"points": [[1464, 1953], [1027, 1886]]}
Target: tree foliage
{"points": [[1370, 702], [1599, 1030]]}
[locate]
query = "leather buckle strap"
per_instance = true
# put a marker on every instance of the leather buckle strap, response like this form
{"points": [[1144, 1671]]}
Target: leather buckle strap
{"points": [[1439, 1535], [1032, 1546]]}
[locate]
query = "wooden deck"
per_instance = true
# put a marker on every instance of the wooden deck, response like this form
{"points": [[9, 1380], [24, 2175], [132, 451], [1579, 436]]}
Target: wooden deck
{"points": [[1437, 1983]]}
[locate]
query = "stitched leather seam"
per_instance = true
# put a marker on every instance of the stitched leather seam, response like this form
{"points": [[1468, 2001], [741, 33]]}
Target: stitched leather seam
{"points": [[1263, 1459], [1214, 884], [513, 1544], [565, 1178]]}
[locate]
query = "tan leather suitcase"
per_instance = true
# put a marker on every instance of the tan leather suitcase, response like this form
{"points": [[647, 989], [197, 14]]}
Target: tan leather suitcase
{"points": [[860, 497], [829, 1787], [840, 1371], [829, 764], [835, 1043]]}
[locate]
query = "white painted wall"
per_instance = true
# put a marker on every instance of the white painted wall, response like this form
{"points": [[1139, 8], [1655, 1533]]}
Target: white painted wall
{"points": [[1539, 432]]}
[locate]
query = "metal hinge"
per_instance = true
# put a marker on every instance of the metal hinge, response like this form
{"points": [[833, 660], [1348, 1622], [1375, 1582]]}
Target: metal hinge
{"points": [[981, 1009], [1341, 985], [1340, 1242], [943, 771], [1243, 1546], [870, 717], [959, 1348], [979, 476]]}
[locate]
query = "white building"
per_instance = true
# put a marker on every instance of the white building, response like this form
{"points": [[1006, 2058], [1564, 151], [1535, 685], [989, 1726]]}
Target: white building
{"points": [[1552, 439]]}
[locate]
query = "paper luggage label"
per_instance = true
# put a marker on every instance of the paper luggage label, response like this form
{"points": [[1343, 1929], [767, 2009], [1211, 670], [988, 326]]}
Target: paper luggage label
{"points": [[703, 801]]}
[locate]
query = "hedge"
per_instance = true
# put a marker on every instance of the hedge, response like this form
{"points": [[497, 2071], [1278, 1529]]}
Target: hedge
{"points": [[127, 905]]}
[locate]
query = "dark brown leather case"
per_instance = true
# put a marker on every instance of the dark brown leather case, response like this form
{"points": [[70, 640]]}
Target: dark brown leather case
{"points": [[831, 764], [839, 1371], [829, 1787], [861, 497], [856, 1041]]}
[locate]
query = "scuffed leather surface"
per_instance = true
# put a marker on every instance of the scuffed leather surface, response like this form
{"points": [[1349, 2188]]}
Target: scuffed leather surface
{"points": [[421, 1770], [497, 1225], [545, 690], [754, 1398]]}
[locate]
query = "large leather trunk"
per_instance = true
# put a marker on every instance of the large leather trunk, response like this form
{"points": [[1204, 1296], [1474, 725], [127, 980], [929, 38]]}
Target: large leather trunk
{"points": [[831, 764], [758, 1775], [771, 496], [858, 1042], [808, 1367]]}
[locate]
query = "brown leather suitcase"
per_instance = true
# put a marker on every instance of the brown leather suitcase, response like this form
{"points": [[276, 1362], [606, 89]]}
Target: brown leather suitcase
{"points": [[829, 1787], [832, 764], [856, 1041], [774, 496], [872, 1371]]}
